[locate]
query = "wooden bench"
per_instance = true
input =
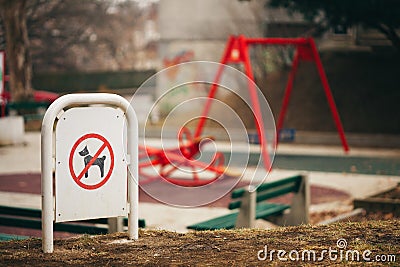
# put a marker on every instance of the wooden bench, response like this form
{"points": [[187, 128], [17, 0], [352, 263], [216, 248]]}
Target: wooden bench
{"points": [[31, 219], [28, 110], [253, 206]]}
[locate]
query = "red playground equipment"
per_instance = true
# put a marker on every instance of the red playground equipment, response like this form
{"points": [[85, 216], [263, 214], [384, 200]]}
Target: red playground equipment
{"points": [[170, 160], [236, 52]]}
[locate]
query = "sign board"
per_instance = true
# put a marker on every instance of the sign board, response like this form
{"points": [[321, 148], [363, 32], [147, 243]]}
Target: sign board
{"points": [[91, 150], [91, 167]]}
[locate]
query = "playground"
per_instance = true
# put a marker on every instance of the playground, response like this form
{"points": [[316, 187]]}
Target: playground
{"points": [[323, 181]]}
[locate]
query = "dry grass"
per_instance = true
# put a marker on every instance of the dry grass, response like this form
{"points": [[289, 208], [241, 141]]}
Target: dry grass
{"points": [[209, 248]]}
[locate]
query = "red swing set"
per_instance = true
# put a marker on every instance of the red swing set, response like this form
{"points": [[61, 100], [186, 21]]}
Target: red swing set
{"points": [[236, 52]]}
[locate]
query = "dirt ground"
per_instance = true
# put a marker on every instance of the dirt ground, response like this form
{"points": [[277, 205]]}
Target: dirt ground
{"points": [[373, 239]]}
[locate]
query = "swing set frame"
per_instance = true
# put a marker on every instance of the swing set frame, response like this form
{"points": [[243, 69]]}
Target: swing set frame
{"points": [[237, 52]]}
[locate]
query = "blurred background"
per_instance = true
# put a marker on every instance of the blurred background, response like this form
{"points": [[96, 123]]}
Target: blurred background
{"points": [[115, 45]]}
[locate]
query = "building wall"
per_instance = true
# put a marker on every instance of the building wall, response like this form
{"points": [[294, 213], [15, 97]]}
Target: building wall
{"points": [[203, 27], [198, 30]]}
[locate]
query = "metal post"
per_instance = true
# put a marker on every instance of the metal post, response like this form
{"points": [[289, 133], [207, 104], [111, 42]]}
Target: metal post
{"points": [[47, 164], [47, 179], [288, 91], [255, 104], [247, 212], [328, 93], [214, 87]]}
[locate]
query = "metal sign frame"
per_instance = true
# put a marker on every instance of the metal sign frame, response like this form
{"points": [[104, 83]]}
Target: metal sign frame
{"points": [[47, 159]]}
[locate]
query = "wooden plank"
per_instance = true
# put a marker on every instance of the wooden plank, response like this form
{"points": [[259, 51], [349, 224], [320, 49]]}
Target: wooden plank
{"points": [[17, 211], [7, 237], [238, 193], [265, 213], [268, 194], [385, 205], [228, 221], [293, 179], [31, 105], [223, 222], [263, 205], [275, 193], [36, 213], [61, 227]]}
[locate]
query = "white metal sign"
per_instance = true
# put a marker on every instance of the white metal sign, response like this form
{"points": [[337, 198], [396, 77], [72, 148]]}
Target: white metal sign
{"points": [[91, 167], [94, 148]]}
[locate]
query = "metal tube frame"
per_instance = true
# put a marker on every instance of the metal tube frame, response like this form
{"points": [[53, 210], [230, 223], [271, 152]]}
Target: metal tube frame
{"points": [[47, 163]]}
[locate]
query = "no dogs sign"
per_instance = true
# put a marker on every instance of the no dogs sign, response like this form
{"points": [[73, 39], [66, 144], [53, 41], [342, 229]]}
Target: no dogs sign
{"points": [[103, 154], [90, 164]]}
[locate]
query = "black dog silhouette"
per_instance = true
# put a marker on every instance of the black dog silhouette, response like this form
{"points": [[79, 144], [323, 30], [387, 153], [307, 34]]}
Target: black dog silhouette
{"points": [[87, 158]]}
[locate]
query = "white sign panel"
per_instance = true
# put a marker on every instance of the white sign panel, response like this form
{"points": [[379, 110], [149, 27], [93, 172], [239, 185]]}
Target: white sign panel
{"points": [[91, 169]]}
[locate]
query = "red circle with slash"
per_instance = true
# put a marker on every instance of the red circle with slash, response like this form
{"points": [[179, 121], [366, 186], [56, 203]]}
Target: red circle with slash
{"points": [[78, 178]]}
